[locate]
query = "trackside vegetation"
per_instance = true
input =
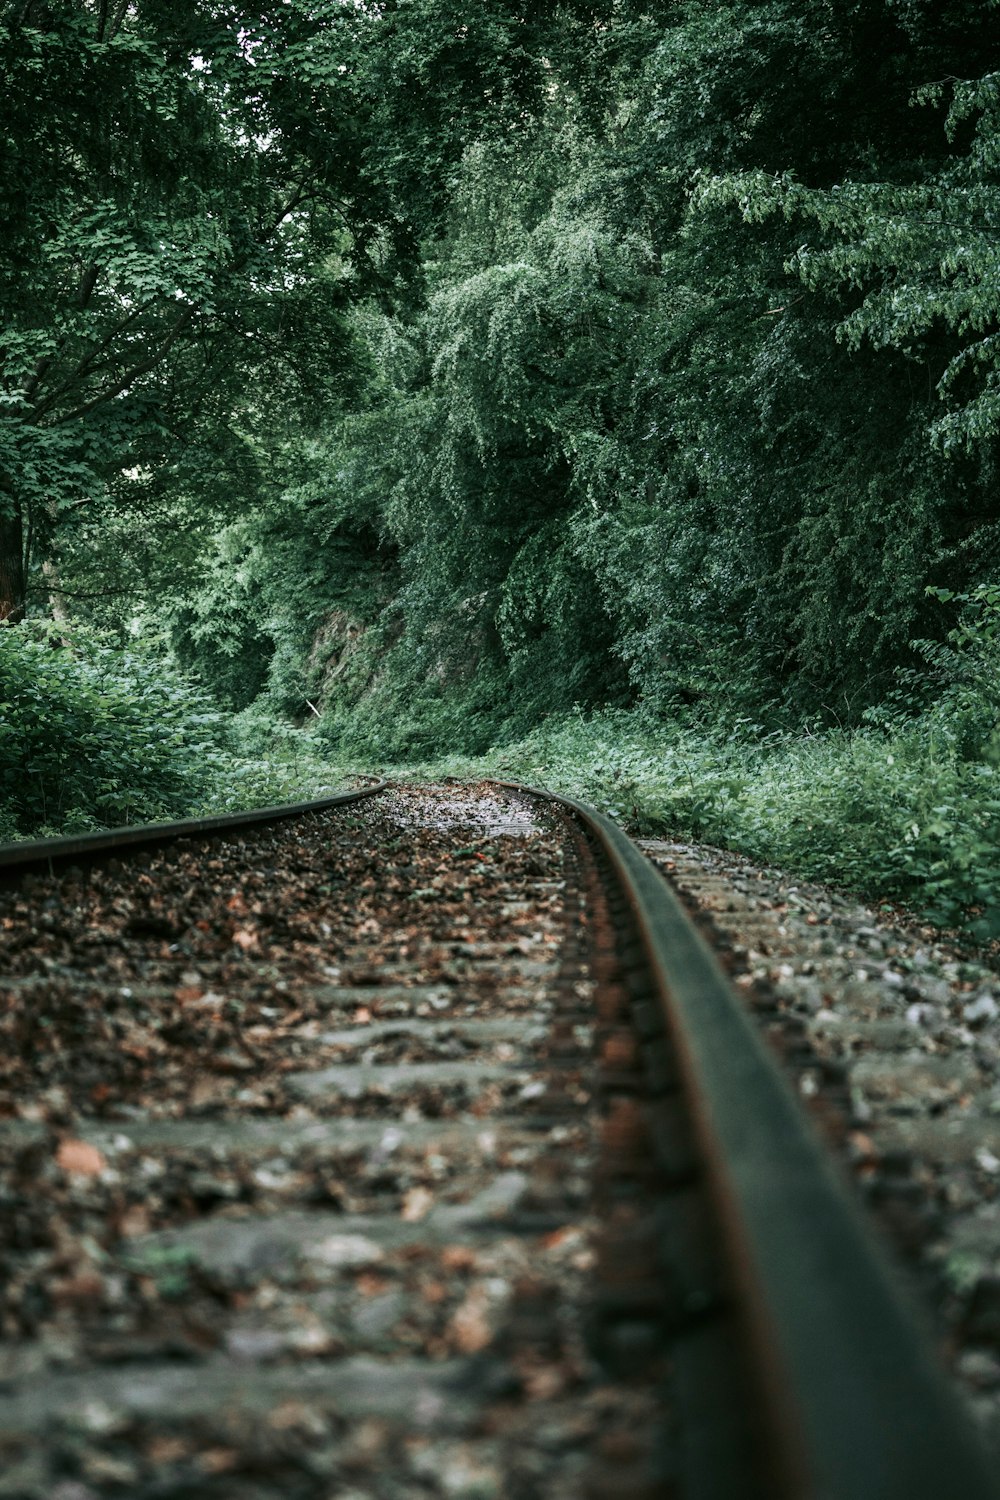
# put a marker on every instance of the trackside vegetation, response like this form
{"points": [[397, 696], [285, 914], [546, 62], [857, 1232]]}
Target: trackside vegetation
{"points": [[602, 393]]}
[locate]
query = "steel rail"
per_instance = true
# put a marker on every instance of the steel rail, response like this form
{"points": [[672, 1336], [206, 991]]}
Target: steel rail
{"points": [[855, 1405], [28, 855]]}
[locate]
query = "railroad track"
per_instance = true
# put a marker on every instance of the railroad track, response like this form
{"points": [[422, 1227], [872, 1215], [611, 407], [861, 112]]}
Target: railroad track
{"points": [[413, 1144]]}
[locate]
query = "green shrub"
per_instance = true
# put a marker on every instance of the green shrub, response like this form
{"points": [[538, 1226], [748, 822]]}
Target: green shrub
{"points": [[93, 735], [274, 762]]}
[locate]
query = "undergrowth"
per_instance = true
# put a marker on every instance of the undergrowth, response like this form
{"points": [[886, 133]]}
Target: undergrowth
{"points": [[892, 812], [905, 808], [894, 815], [93, 734]]}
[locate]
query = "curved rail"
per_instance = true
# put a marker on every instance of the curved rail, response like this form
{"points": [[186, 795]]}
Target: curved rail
{"points": [[43, 854], [854, 1404]]}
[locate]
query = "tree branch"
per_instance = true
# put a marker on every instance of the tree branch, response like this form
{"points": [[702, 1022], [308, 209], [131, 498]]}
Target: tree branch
{"points": [[88, 281], [122, 385], [88, 361], [51, 588]]}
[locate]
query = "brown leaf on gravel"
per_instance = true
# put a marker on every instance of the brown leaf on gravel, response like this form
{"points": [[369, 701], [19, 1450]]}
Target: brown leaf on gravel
{"points": [[862, 1146], [292, 1415], [80, 1159], [469, 1328], [85, 1286], [231, 1062], [218, 1460], [417, 1204], [558, 1237], [167, 1449], [458, 1258], [369, 1285], [206, 1090], [546, 1382], [134, 1221]]}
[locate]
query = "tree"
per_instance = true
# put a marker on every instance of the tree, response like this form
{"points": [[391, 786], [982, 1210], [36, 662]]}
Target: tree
{"points": [[164, 219], [195, 191]]}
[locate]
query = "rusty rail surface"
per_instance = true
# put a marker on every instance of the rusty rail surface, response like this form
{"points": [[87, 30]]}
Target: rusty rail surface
{"points": [[853, 1403]]}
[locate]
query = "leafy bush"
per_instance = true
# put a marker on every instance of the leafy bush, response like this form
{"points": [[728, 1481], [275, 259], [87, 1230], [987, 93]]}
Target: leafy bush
{"points": [[274, 762], [92, 735]]}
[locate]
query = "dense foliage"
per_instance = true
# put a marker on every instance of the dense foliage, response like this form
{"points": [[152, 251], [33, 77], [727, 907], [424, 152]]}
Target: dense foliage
{"points": [[92, 734], [695, 400], [427, 372]]}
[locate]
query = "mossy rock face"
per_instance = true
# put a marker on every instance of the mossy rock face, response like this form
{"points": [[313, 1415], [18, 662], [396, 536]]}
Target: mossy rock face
{"points": [[336, 647]]}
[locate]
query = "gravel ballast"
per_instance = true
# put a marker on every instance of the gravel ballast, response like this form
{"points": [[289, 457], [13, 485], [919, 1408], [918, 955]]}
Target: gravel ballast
{"points": [[891, 1037]]}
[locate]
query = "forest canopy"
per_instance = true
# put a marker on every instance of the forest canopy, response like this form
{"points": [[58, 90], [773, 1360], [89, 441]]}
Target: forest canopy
{"points": [[423, 372]]}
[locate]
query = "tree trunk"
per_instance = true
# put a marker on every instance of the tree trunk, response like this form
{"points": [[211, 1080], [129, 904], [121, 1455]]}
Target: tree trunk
{"points": [[11, 565], [57, 605]]}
